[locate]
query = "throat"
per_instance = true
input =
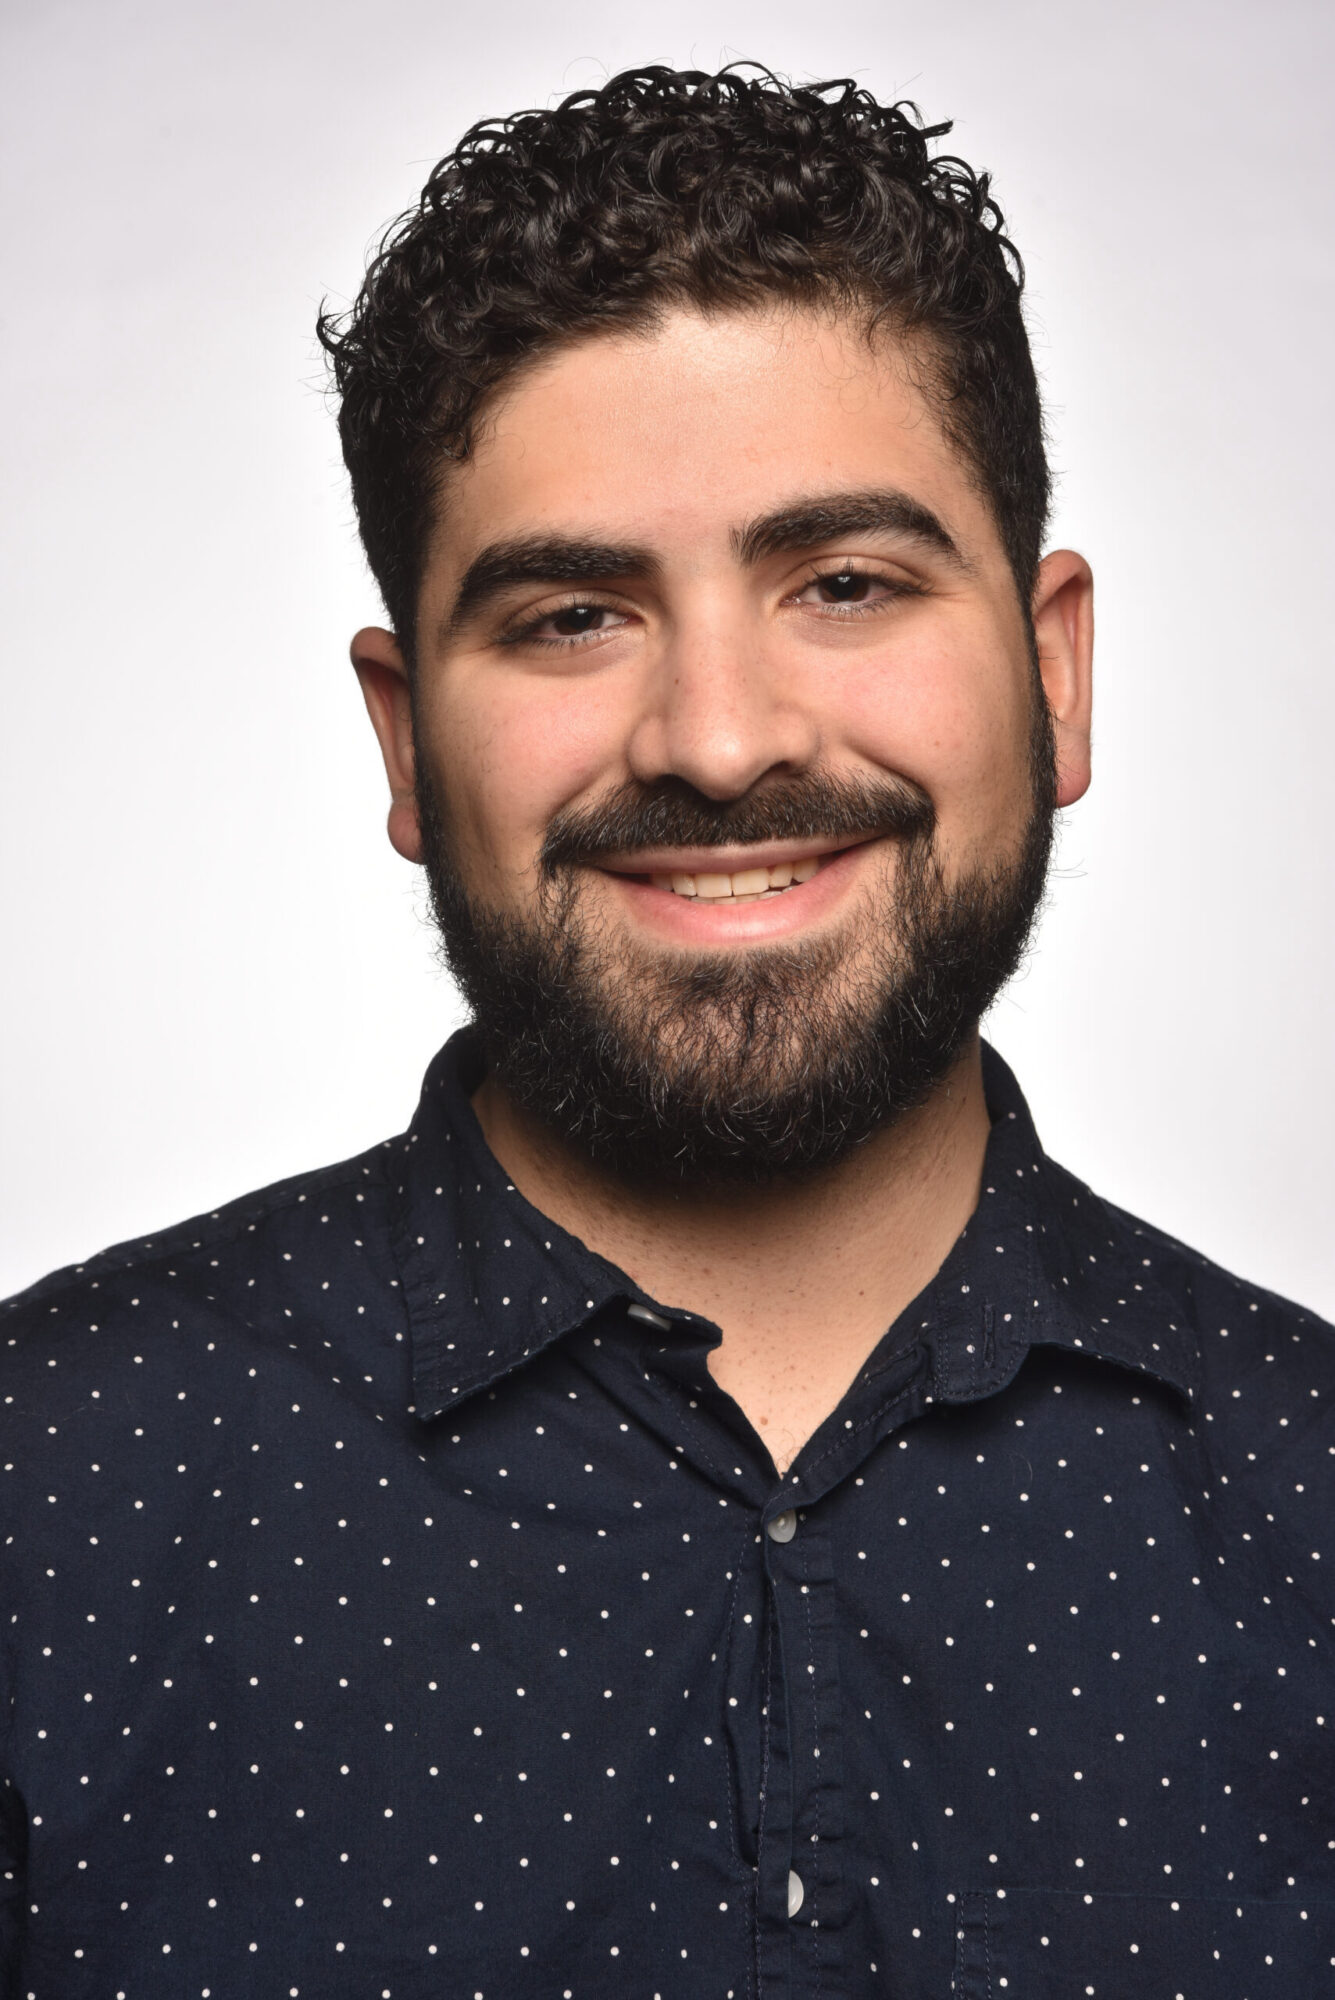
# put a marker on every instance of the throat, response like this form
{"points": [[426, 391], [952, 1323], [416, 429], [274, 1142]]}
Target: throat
{"points": [[786, 1393], [803, 1281]]}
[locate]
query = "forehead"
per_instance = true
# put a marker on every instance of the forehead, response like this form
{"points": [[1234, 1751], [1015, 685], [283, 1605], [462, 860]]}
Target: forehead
{"points": [[674, 434]]}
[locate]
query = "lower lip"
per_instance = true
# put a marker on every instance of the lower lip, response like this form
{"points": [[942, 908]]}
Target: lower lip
{"points": [[693, 920]]}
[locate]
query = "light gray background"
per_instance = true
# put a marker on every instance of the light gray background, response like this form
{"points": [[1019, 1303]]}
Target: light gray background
{"points": [[218, 971]]}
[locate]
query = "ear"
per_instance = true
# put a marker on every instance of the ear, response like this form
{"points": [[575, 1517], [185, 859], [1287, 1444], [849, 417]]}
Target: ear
{"points": [[1064, 627], [388, 697]]}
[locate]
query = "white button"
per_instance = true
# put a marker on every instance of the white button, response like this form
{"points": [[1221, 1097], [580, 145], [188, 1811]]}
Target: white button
{"points": [[648, 1318], [782, 1529], [796, 1893]]}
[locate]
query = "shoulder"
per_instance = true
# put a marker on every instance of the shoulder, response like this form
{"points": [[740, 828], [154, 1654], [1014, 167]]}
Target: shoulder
{"points": [[233, 1267], [1265, 1364], [1221, 1304]]}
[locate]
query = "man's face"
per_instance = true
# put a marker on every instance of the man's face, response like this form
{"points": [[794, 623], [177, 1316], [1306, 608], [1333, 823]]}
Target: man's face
{"points": [[710, 610]]}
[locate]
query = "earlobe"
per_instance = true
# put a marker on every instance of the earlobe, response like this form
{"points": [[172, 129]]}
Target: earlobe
{"points": [[1063, 614], [386, 690]]}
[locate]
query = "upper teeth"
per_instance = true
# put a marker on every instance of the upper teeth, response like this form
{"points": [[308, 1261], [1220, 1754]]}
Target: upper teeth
{"points": [[743, 886]]}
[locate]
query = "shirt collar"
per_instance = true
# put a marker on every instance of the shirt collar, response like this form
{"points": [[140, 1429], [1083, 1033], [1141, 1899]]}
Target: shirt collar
{"points": [[1050, 1263], [489, 1281]]}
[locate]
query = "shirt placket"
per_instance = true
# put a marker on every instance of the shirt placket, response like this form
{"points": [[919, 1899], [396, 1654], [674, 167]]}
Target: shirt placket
{"points": [[805, 1899], [802, 1894]]}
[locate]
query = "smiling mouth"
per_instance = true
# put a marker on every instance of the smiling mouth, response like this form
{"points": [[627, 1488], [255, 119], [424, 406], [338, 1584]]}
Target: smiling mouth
{"points": [[745, 885]]}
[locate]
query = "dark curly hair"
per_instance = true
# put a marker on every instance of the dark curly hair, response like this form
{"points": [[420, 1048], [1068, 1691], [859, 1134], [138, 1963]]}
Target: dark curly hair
{"points": [[677, 187]]}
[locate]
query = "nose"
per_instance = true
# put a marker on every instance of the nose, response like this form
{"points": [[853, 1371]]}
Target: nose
{"points": [[720, 709]]}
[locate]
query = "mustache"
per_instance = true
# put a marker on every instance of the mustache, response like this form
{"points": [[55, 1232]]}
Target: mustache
{"points": [[671, 813]]}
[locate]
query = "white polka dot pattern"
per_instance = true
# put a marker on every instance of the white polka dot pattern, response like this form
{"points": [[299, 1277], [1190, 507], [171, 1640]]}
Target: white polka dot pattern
{"points": [[392, 1606]]}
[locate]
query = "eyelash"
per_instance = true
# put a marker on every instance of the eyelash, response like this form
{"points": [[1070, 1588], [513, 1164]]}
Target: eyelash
{"points": [[527, 634], [894, 586]]}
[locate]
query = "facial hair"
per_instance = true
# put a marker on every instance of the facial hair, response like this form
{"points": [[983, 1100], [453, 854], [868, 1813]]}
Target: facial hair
{"points": [[757, 1064]]}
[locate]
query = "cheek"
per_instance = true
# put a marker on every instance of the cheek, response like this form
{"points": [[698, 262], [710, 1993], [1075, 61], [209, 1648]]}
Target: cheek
{"points": [[953, 717], [510, 753]]}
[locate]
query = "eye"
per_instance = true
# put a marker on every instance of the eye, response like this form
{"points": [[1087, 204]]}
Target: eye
{"points": [[566, 625], [577, 619], [856, 589]]}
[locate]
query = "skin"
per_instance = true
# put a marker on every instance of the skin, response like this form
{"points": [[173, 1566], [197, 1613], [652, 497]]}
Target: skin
{"points": [[726, 672]]}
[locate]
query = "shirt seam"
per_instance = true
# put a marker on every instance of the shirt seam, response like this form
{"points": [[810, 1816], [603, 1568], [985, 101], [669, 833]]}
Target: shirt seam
{"points": [[211, 1231], [875, 1417]]}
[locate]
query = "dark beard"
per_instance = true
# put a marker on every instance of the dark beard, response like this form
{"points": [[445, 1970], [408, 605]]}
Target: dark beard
{"points": [[740, 1067]]}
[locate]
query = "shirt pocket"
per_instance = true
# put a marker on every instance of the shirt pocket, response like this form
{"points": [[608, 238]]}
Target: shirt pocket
{"points": [[1051, 1944]]}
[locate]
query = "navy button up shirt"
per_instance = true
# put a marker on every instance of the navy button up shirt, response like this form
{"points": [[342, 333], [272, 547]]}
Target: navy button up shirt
{"points": [[393, 1607]]}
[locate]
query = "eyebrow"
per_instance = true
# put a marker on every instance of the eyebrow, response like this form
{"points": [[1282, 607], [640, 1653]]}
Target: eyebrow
{"points": [[804, 523], [545, 559], [808, 522]]}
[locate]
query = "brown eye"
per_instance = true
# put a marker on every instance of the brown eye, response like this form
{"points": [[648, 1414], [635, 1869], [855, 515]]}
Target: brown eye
{"points": [[848, 587], [851, 589], [566, 625], [576, 619]]}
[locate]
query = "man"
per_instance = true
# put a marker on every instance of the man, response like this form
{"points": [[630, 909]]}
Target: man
{"points": [[712, 1510]]}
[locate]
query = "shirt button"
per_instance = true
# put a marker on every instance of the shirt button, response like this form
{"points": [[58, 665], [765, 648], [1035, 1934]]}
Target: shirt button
{"points": [[796, 1893], [648, 1318], [782, 1529]]}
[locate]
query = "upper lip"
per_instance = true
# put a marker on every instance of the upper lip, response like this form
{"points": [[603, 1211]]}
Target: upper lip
{"points": [[724, 860]]}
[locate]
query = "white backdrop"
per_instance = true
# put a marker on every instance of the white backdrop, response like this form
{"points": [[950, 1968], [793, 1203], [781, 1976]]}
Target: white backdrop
{"points": [[219, 974]]}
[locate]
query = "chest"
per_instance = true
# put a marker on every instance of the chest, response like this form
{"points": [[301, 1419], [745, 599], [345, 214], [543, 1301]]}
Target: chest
{"points": [[565, 1685]]}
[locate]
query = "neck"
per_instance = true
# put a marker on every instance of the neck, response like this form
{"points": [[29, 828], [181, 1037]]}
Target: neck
{"points": [[802, 1280]]}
